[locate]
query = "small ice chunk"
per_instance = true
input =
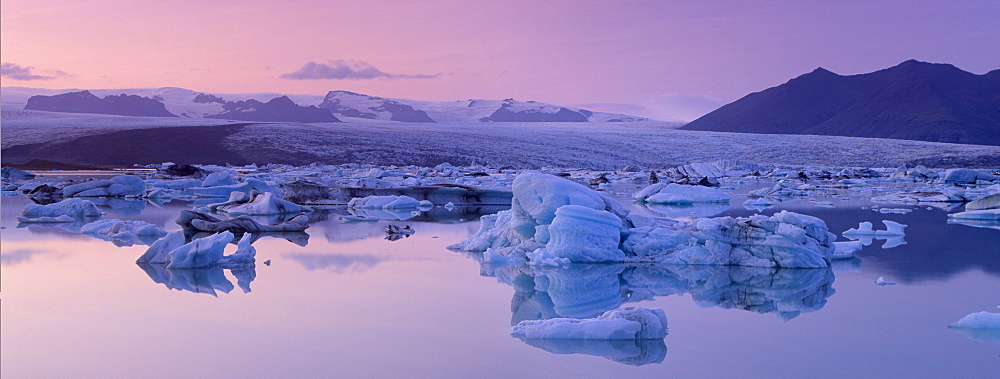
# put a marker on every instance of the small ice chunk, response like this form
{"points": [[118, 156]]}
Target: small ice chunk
{"points": [[892, 229], [628, 323], [863, 229], [846, 250], [980, 320], [881, 281]]}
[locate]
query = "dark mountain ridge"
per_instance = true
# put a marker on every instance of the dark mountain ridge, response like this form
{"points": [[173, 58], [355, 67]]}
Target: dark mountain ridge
{"points": [[279, 109], [86, 102], [913, 100]]}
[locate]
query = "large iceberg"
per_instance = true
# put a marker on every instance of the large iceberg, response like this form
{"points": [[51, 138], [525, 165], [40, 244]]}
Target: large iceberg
{"points": [[629, 323], [124, 185], [537, 220], [226, 190]]}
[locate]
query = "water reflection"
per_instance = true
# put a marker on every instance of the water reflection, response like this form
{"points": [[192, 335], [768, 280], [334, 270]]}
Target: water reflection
{"points": [[981, 335], [686, 210], [587, 290], [338, 263], [119, 205], [630, 352], [203, 280]]}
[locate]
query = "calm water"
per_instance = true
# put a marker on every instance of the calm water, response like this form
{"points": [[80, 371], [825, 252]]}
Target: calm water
{"points": [[344, 301]]}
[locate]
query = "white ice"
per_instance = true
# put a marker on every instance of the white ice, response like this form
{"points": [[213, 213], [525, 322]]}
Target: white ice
{"points": [[200, 253], [388, 202], [74, 208], [124, 185], [124, 233], [980, 320], [266, 203], [672, 193]]}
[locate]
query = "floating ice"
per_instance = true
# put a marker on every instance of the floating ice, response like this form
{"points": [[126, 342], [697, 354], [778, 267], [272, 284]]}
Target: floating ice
{"points": [[200, 253], [224, 191], [124, 185], [983, 215], [892, 228], [216, 179], [967, 176], [881, 281], [672, 193], [124, 233], [13, 173], [266, 203], [388, 202], [846, 250], [159, 251], [988, 202], [582, 234], [75, 209], [629, 323], [193, 220], [980, 320], [630, 352]]}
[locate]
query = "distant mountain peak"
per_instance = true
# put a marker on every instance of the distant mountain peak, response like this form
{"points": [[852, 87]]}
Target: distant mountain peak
{"points": [[913, 100]]}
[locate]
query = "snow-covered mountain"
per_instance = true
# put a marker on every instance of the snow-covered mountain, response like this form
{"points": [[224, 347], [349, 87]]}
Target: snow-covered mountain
{"points": [[346, 105]]}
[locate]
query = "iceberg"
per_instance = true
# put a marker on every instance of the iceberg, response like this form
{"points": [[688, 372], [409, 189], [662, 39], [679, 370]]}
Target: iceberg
{"points": [[967, 176], [192, 220], [124, 185], [628, 323], [672, 193], [980, 320], [988, 202], [226, 190], [784, 240], [254, 203], [846, 249], [159, 251], [388, 202], [892, 228], [978, 215], [124, 233], [12, 173], [74, 208], [582, 234], [200, 253]]}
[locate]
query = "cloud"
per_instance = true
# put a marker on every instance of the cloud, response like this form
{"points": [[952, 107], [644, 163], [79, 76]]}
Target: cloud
{"points": [[344, 69], [16, 72]]}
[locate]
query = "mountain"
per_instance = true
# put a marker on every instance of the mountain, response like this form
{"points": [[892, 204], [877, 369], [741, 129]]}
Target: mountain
{"points": [[86, 102], [279, 109], [344, 105], [913, 101], [350, 104]]}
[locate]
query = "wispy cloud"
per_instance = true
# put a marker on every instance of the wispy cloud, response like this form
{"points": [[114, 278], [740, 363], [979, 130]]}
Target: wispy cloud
{"points": [[344, 69], [17, 72]]}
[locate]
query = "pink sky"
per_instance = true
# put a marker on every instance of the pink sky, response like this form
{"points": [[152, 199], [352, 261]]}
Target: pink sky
{"points": [[659, 57]]}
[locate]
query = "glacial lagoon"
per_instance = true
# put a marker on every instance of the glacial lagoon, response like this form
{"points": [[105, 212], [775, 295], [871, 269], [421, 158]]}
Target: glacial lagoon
{"points": [[342, 300]]}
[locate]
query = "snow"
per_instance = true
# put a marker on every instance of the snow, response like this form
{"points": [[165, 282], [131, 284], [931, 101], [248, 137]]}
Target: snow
{"points": [[124, 185], [74, 208], [680, 194], [629, 323]]}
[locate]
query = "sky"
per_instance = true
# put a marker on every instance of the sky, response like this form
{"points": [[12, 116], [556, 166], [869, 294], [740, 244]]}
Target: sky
{"points": [[661, 59]]}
